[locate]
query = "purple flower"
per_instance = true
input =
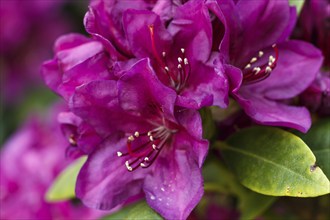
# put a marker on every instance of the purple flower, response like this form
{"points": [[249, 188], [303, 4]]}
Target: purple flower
{"points": [[265, 68], [30, 161], [25, 42], [77, 60], [149, 146], [82, 138], [180, 48], [317, 96], [314, 27]]}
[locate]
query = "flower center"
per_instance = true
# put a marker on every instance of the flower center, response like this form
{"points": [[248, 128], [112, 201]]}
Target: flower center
{"points": [[143, 148], [177, 77], [256, 71]]}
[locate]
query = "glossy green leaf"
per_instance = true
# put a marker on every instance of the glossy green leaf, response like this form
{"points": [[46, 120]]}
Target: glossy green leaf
{"points": [[137, 211], [63, 187], [219, 179], [298, 4], [274, 162], [318, 139]]}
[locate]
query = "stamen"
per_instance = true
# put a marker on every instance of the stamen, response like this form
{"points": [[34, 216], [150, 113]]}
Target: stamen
{"points": [[129, 168], [268, 69], [130, 138], [256, 70], [145, 154], [72, 140], [261, 72], [254, 59], [247, 66]]}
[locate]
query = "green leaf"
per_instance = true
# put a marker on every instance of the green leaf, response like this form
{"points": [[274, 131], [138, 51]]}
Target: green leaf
{"points": [[318, 139], [63, 187], [219, 179], [298, 4], [208, 123], [137, 211], [274, 162]]}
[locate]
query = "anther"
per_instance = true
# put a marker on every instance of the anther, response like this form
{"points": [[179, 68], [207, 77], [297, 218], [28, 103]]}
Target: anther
{"points": [[256, 70], [179, 59], [130, 138], [274, 45], [179, 66], [164, 54], [146, 159], [154, 147], [119, 154], [268, 69], [261, 53], [142, 165], [136, 134], [128, 166], [254, 59], [151, 138], [247, 66], [149, 133], [271, 59], [182, 50], [166, 68], [185, 60]]}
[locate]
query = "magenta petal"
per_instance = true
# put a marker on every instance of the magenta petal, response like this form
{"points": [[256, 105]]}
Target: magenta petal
{"points": [[137, 27], [104, 182], [206, 86], [268, 112], [262, 24], [140, 87], [192, 137], [176, 187], [192, 30]]}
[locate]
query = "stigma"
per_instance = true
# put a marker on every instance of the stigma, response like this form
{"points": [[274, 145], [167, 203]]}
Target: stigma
{"points": [[259, 68]]}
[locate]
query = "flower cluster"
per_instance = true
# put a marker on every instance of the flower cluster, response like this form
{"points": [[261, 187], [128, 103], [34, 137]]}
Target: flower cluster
{"points": [[29, 162], [134, 88]]}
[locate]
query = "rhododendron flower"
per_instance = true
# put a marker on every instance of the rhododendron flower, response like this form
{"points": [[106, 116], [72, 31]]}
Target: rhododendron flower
{"points": [[180, 49], [25, 40], [266, 68], [29, 163], [77, 60], [82, 138], [317, 96], [149, 146], [314, 26]]}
